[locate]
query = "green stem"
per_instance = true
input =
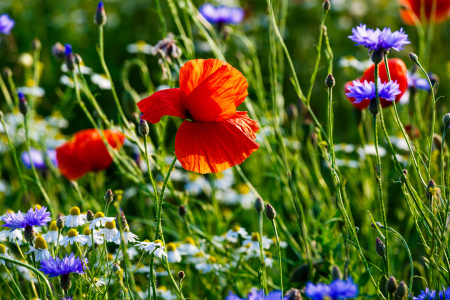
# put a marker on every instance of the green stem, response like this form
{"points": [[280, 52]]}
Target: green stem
{"points": [[279, 254], [261, 253], [444, 190], [151, 281]]}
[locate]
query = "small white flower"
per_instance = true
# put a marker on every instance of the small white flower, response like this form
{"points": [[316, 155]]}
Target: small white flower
{"points": [[97, 282], [224, 180], [370, 150], [155, 247], [66, 80], [196, 183], [233, 234], [347, 148], [102, 81], [127, 235], [109, 231], [4, 252], [140, 47], [188, 247], [251, 244], [40, 248], [87, 235], [11, 236], [100, 220], [32, 91], [75, 218], [52, 234], [72, 237], [173, 255], [207, 266], [165, 294], [84, 69]]}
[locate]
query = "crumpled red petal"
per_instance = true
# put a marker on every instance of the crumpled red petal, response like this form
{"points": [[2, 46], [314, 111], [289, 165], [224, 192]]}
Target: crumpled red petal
{"points": [[162, 103]]}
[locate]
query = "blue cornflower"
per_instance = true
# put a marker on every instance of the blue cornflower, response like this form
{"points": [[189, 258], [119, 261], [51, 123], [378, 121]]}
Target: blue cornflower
{"points": [[37, 217], [221, 14], [336, 290], [6, 24], [68, 49], [59, 267], [376, 40], [416, 82], [38, 158], [366, 90], [431, 295], [259, 295]]}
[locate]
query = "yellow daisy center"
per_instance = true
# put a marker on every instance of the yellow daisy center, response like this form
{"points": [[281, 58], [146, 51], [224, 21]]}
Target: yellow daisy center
{"points": [[2, 249], [71, 233], [87, 231], [75, 211], [53, 226], [243, 189], [189, 240], [235, 228], [171, 247], [255, 236], [99, 215], [199, 254], [162, 288], [212, 259], [146, 241], [30, 83], [159, 242], [268, 254], [110, 225], [36, 206], [40, 243]]}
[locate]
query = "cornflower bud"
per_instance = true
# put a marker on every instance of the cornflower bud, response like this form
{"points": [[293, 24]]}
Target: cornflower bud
{"points": [[109, 196], [100, 14], [259, 205], [90, 216], [380, 248], [293, 294], [446, 119], [377, 56], [326, 5], [336, 273], [36, 44], [402, 290], [65, 282], [29, 234], [58, 51], [143, 127], [59, 223], [413, 57], [70, 60], [181, 275], [270, 212], [23, 104], [330, 81], [391, 285], [373, 106], [182, 211]]}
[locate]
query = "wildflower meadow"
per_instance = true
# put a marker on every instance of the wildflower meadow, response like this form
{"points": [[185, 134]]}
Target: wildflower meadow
{"points": [[224, 149]]}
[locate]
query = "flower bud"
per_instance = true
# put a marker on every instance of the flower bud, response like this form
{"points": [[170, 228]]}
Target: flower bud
{"points": [[29, 234], [182, 211], [259, 205], [58, 51], [270, 212], [293, 294], [181, 275], [431, 189], [7, 72], [77, 59], [23, 104], [70, 60], [90, 216], [109, 196], [326, 5], [100, 14], [59, 223], [377, 56], [143, 127], [330, 81], [413, 57], [373, 106], [391, 285], [65, 282], [336, 273], [380, 248], [36, 44], [446, 119], [115, 267], [402, 290]]}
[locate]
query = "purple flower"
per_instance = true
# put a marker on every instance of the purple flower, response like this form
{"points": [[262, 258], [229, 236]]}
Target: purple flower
{"points": [[38, 158], [336, 290], [6, 24], [366, 90], [259, 295], [417, 82], [431, 295], [68, 49], [38, 217], [376, 40], [221, 14], [69, 264]]}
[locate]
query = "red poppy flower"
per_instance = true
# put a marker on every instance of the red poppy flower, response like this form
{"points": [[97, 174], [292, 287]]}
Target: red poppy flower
{"points": [[410, 10], [87, 152], [216, 136], [399, 73]]}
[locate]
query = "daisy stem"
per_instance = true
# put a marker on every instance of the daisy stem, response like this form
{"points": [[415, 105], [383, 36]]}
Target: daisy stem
{"points": [[378, 172], [158, 232], [279, 254], [261, 253], [151, 281]]}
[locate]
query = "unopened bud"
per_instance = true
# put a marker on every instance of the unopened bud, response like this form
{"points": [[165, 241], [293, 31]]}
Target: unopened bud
{"points": [[36, 44], [270, 212], [293, 294], [259, 205], [380, 248], [29, 234], [336, 273], [391, 285], [143, 127], [326, 5], [23, 104], [70, 61], [109, 196], [77, 59], [58, 51], [413, 57], [65, 282], [402, 290], [377, 56], [373, 106], [100, 14], [116, 267], [90, 216], [182, 211], [59, 223], [181, 275], [446, 119], [7, 72], [330, 81], [431, 189]]}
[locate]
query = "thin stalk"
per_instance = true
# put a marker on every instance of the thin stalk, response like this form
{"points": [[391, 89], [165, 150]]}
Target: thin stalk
{"points": [[261, 253], [15, 284], [279, 254], [151, 281], [162, 20]]}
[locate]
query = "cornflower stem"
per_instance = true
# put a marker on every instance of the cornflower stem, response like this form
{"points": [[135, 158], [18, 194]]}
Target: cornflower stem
{"points": [[41, 292], [442, 160], [12, 86], [101, 54], [400, 125], [433, 117], [158, 232], [151, 280], [35, 173], [261, 253], [279, 254], [378, 172]]}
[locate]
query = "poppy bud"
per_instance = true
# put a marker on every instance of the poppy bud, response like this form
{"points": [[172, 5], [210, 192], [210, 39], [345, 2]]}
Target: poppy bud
{"points": [[293, 294], [182, 211], [336, 273], [29, 234], [23, 105], [115, 267], [326, 5], [143, 127], [259, 205], [373, 106], [330, 81], [391, 285], [65, 282], [58, 51], [446, 119], [413, 57], [181, 275], [431, 189], [100, 14], [109, 196], [78, 60], [377, 56], [380, 248], [90, 216], [60, 223], [7, 72], [70, 61], [270, 212], [36, 44], [402, 290]]}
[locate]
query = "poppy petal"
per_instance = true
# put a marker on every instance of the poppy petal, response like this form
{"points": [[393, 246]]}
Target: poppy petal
{"points": [[67, 164], [216, 146], [411, 10], [194, 72], [162, 103]]}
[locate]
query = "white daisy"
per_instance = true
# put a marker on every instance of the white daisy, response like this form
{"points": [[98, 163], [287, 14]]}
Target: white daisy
{"points": [[234, 233], [11, 235], [164, 293], [100, 220], [188, 247], [173, 255], [32, 91], [155, 247], [72, 237], [75, 218], [251, 244], [52, 234], [84, 69], [66, 80], [87, 235], [109, 231], [102, 81], [3, 252], [196, 183], [41, 249], [140, 47], [268, 260], [224, 180], [207, 266], [127, 235]]}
